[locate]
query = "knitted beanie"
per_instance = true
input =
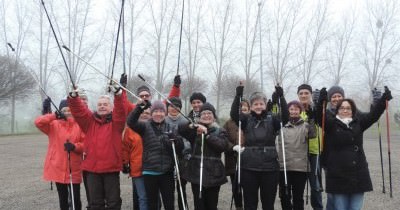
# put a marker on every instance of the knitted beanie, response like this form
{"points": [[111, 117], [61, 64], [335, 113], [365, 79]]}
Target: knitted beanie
{"points": [[158, 105], [333, 90], [304, 86], [198, 96]]}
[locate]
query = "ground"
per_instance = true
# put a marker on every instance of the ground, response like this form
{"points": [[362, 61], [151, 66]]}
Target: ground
{"points": [[22, 186]]}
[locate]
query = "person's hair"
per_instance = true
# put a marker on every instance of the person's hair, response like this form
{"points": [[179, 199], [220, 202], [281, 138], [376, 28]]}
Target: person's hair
{"points": [[258, 96], [244, 101], [105, 97], [352, 105]]}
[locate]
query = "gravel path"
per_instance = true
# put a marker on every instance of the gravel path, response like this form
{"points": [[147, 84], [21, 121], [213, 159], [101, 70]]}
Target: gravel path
{"points": [[22, 187]]}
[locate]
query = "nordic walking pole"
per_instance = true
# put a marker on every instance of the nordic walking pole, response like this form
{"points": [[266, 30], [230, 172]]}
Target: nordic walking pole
{"points": [[116, 42], [380, 152], [388, 140], [283, 146], [178, 174], [180, 38], [201, 164], [70, 179], [103, 74]]}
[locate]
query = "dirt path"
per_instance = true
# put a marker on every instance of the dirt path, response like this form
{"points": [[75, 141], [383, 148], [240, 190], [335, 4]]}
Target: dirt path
{"points": [[22, 187]]}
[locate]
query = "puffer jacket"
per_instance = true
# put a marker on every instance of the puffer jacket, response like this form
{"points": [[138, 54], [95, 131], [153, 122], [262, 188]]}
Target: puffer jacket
{"points": [[56, 163], [157, 148], [132, 151], [260, 131], [346, 167], [215, 142], [231, 156], [296, 136], [103, 147]]}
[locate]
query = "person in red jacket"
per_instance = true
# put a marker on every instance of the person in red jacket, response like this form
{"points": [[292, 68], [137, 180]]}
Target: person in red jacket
{"points": [[103, 160], [132, 151], [64, 136]]}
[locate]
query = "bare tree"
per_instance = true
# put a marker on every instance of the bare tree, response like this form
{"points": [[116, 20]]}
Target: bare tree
{"points": [[230, 84], [381, 42], [282, 27], [339, 45], [313, 38], [219, 45]]}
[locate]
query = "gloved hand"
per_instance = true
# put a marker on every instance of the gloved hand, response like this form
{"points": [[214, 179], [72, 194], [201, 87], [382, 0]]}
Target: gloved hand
{"points": [[123, 80], [46, 106], [279, 91], [144, 105], [126, 168], [115, 88], [387, 95], [177, 80], [171, 135], [269, 105], [69, 147], [315, 96], [73, 93], [60, 115], [238, 148], [239, 90], [376, 95], [323, 95]]}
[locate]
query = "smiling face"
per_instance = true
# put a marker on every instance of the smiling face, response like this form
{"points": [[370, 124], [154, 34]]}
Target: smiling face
{"points": [[345, 110], [144, 95], [196, 105], [172, 111], [66, 111], [104, 106], [146, 115], [258, 106], [335, 99], [294, 111], [158, 115], [304, 97], [207, 117]]}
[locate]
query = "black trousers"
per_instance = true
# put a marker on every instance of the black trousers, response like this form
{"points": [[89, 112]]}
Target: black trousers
{"points": [[63, 194], [236, 192], [292, 196], [84, 177], [104, 190], [209, 197], [163, 184], [264, 183], [183, 182]]}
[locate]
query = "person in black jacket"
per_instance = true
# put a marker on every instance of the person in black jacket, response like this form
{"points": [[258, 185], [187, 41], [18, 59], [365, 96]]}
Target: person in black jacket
{"points": [[346, 167], [259, 159], [215, 142], [158, 159]]}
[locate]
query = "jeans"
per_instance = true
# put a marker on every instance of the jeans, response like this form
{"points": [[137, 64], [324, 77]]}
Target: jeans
{"points": [[315, 183], [345, 201], [138, 183], [292, 196], [104, 190], [156, 184], [209, 197], [264, 183], [63, 193]]}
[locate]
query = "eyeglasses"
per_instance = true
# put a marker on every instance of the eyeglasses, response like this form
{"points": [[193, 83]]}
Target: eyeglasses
{"points": [[344, 108], [206, 113], [144, 95]]}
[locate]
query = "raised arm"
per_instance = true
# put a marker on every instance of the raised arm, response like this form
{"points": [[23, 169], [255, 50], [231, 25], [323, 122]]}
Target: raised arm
{"points": [[43, 122], [133, 118], [367, 119]]}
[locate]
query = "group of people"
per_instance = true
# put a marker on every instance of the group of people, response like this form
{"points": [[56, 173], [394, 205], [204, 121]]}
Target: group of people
{"points": [[281, 147]]}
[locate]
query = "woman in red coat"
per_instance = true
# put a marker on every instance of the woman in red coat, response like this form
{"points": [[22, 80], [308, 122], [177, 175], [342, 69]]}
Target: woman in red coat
{"points": [[64, 135]]}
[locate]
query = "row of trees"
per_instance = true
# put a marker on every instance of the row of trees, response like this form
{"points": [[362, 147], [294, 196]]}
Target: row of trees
{"points": [[261, 42]]}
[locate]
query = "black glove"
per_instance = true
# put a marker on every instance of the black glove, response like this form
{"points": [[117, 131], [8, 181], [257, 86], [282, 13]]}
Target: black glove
{"points": [[210, 131], [60, 115], [123, 80], [69, 147], [126, 168], [145, 104], [177, 80], [376, 96], [387, 95], [46, 106], [171, 135], [239, 91], [323, 95], [315, 96], [269, 105], [279, 91]]}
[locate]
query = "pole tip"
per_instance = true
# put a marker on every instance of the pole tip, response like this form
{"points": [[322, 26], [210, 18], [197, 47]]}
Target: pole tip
{"points": [[66, 48], [141, 77]]}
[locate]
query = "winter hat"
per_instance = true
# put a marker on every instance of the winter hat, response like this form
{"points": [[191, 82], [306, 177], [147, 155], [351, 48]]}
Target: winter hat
{"points": [[63, 103], [209, 107], [333, 90], [198, 96], [158, 105], [176, 102], [304, 86], [295, 103], [142, 88]]}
